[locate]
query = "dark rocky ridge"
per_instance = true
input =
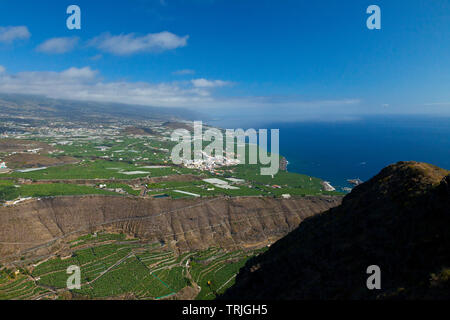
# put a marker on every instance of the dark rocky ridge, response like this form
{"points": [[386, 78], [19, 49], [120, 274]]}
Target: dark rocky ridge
{"points": [[398, 220], [39, 228], [143, 131]]}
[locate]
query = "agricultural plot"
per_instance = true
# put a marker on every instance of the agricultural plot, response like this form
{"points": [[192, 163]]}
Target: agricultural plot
{"points": [[286, 182], [124, 187], [98, 169], [142, 149], [282, 183], [14, 287], [7, 190], [113, 267], [130, 157], [215, 270], [58, 189], [98, 238]]}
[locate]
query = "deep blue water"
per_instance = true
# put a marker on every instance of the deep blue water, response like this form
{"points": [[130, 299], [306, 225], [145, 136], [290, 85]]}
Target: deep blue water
{"points": [[337, 151]]}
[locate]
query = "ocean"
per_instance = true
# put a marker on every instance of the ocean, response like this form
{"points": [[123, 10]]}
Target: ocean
{"points": [[341, 150]]}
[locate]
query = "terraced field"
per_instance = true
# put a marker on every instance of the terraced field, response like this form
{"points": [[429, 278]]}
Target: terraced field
{"points": [[113, 266], [215, 270], [19, 287]]}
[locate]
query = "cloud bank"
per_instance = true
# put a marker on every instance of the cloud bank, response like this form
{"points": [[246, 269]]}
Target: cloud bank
{"points": [[183, 72], [204, 83], [128, 44], [86, 84], [58, 45], [12, 33]]}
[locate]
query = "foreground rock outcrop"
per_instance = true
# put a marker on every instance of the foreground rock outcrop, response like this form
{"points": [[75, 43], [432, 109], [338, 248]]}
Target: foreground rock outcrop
{"points": [[41, 227], [399, 220]]}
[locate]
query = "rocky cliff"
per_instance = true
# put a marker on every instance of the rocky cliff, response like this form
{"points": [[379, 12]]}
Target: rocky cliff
{"points": [[41, 227], [399, 221]]}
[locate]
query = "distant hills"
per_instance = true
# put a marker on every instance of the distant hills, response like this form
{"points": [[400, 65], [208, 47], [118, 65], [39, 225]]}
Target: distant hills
{"points": [[143, 131], [399, 220], [38, 107]]}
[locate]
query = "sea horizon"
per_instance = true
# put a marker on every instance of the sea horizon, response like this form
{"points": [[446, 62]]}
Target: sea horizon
{"points": [[336, 151]]}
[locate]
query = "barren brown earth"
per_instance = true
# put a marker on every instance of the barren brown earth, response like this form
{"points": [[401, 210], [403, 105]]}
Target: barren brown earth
{"points": [[17, 145], [28, 160], [42, 227], [177, 125]]}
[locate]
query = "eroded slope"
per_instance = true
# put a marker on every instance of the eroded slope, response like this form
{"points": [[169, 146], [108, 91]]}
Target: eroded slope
{"points": [[42, 227]]}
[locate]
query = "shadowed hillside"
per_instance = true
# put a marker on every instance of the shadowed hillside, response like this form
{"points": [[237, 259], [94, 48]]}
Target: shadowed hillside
{"points": [[399, 220]]}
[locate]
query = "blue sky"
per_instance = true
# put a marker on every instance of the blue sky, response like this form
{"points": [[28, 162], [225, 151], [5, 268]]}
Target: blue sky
{"points": [[304, 59]]}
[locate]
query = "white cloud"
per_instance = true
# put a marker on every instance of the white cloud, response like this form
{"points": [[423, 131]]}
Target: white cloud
{"points": [[85, 84], [183, 72], [127, 44], [204, 83], [9, 34], [2, 69], [58, 45], [85, 73]]}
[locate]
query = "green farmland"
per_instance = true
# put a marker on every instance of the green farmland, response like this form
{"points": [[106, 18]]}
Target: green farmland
{"points": [[98, 169], [120, 147], [113, 267], [11, 191]]}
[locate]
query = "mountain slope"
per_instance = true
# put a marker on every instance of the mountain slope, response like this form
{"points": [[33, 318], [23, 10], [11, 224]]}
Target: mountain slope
{"points": [[399, 220], [32, 108], [42, 227]]}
